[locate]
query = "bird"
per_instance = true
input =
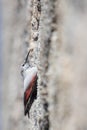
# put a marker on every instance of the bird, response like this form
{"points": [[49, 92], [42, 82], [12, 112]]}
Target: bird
{"points": [[29, 74]]}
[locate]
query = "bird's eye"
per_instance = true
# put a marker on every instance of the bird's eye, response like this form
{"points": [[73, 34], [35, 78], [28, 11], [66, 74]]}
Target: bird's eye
{"points": [[23, 64]]}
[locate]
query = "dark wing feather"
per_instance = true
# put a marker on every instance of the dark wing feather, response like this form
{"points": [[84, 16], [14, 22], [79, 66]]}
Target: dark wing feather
{"points": [[30, 95]]}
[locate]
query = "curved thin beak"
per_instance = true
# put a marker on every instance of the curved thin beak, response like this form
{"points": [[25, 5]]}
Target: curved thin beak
{"points": [[26, 59]]}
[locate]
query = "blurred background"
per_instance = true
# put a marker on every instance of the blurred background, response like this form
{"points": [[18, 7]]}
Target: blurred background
{"points": [[12, 22], [68, 74]]}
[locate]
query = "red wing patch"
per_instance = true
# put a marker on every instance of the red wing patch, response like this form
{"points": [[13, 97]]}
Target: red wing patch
{"points": [[29, 90], [27, 93], [30, 95]]}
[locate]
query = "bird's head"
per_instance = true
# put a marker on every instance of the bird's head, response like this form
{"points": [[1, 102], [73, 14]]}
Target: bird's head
{"points": [[26, 64]]}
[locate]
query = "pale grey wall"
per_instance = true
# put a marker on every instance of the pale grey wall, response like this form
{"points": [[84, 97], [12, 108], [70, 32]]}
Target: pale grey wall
{"points": [[61, 56]]}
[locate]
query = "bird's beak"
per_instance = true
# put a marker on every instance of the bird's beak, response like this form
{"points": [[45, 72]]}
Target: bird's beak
{"points": [[26, 59]]}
